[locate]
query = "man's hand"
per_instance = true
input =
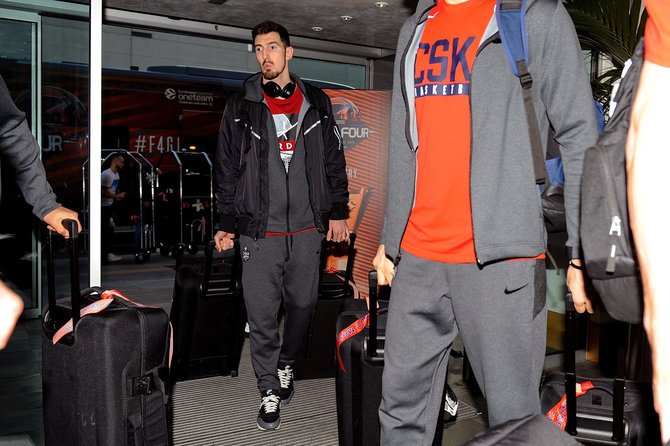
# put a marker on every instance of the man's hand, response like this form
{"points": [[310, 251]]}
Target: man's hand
{"points": [[384, 267], [11, 306], [54, 220], [120, 196], [575, 282], [338, 231], [224, 240]]}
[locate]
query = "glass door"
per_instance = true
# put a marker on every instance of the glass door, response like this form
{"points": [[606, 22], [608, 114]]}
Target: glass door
{"points": [[19, 241]]}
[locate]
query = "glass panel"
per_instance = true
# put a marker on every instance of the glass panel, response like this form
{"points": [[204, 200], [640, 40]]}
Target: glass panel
{"points": [[18, 263], [65, 93], [341, 73]]}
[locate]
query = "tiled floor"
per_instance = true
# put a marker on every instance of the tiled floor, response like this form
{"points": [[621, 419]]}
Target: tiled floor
{"points": [[151, 283]]}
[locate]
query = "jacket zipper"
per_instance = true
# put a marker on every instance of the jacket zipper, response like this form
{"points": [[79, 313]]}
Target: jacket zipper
{"points": [[309, 184], [403, 91], [403, 79], [288, 196]]}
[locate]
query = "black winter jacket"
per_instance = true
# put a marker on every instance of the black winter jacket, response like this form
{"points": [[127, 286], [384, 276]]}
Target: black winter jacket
{"points": [[241, 161]]}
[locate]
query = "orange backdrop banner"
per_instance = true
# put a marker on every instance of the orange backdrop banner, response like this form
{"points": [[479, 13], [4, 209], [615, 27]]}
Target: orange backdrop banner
{"points": [[363, 117]]}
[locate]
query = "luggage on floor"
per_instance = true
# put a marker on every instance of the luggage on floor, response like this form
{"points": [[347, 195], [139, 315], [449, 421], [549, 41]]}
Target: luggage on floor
{"points": [[317, 355], [104, 365], [208, 315], [358, 382], [360, 356], [532, 430], [614, 412]]}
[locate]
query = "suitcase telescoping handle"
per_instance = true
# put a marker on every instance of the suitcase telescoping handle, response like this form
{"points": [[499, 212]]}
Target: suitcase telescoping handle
{"points": [[571, 378], [349, 271], [75, 293], [372, 311], [209, 259]]}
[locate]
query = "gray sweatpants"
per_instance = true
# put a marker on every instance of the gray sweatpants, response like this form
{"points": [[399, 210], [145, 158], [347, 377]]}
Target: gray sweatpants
{"points": [[499, 311], [279, 267]]}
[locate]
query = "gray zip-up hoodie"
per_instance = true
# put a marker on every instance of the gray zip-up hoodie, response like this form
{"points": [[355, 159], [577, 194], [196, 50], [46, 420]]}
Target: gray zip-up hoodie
{"points": [[506, 209], [21, 151]]}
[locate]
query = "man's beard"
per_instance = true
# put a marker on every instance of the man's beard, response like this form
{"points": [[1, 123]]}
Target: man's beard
{"points": [[271, 75]]}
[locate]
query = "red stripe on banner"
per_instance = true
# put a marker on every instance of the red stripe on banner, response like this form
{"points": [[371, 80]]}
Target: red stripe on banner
{"points": [[367, 162]]}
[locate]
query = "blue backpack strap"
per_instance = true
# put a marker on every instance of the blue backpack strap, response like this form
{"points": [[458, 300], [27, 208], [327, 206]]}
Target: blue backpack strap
{"points": [[511, 19]]}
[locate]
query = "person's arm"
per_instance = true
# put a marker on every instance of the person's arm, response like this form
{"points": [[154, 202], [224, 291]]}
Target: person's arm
{"points": [[11, 306], [647, 158], [566, 91], [336, 174], [20, 150], [106, 192], [335, 164], [226, 172], [401, 174]]}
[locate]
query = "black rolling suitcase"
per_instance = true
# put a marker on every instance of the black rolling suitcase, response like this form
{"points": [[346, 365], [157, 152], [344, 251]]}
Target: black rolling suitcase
{"points": [[358, 382], [104, 382], [317, 354], [208, 316], [614, 412], [533, 430]]}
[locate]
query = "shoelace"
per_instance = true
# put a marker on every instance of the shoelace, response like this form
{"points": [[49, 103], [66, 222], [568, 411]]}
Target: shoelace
{"points": [[285, 377], [270, 403]]}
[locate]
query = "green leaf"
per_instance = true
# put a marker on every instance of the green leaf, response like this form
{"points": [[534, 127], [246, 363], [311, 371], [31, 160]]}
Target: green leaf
{"points": [[611, 28]]}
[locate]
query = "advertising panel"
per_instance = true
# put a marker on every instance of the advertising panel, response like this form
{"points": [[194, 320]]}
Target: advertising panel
{"points": [[363, 117]]}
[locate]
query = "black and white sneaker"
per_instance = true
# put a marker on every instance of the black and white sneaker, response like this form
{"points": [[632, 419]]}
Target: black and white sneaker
{"points": [[450, 405], [286, 383], [268, 413]]}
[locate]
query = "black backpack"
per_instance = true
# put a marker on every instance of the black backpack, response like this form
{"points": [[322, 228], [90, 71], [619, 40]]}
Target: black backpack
{"points": [[607, 242]]}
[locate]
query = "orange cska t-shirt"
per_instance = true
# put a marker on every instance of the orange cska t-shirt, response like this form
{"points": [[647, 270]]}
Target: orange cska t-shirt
{"points": [[440, 225], [657, 32]]}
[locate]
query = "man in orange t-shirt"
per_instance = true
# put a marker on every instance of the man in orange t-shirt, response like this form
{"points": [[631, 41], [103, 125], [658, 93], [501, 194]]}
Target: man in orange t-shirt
{"points": [[648, 155], [463, 219]]}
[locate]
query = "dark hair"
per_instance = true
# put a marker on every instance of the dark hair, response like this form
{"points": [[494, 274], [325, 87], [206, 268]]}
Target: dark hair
{"points": [[269, 26]]}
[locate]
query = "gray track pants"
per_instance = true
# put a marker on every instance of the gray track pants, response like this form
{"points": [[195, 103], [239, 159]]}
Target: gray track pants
{"points": [[499, 311], [279, 267]]}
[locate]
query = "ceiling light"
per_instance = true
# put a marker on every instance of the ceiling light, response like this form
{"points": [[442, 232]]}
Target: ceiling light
{"points": [[217, 2], [379, 4], [346, 18], [317, 28]]}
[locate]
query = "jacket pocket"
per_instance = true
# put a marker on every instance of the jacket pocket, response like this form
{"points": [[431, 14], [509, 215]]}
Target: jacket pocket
{"points": [[248, 185]]}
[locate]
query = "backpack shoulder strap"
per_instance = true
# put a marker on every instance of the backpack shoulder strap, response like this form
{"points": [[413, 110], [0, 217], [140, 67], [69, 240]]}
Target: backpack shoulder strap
{"points": [[511, 19]]}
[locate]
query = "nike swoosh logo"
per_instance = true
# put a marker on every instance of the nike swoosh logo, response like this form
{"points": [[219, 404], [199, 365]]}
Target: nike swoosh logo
{"points": [[510, 290]]}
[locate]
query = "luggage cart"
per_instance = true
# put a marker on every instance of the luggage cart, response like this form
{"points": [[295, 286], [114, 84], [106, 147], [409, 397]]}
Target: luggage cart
{"points": [[145, 234], [134, 226], [187, 190]]}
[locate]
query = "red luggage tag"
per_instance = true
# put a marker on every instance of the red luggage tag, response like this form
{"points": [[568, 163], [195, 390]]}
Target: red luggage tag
{"points": [[95, 307], [356, 293], [348, 332], [558, 414]]}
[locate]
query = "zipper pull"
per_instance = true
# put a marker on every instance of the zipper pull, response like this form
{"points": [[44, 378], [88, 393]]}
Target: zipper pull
{"points": [[615, 228], [615, 231]]}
